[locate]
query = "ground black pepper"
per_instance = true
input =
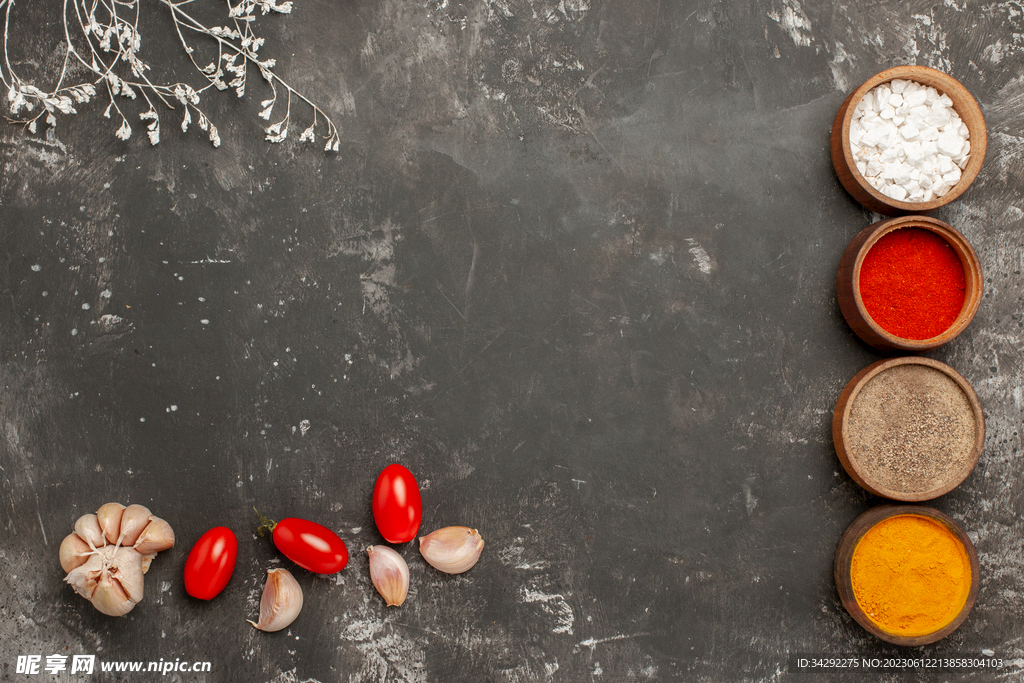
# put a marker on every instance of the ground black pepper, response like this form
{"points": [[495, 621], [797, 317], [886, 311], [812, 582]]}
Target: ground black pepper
{"points": [[911, 429]]}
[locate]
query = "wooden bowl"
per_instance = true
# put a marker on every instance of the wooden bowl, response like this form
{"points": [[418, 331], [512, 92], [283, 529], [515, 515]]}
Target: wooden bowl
{"points": [[877, 477], [842, 156], [844, 561], [848, 284]]}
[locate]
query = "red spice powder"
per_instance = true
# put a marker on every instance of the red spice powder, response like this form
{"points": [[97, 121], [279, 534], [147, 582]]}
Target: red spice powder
{"points": [[912, 283]]}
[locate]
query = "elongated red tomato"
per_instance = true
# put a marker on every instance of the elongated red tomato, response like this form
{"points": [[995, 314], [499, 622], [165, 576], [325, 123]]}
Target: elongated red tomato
{"points": [[210, 563], [397, 506], [310, 545]]}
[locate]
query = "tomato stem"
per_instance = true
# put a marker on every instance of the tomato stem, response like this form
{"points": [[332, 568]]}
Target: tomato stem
{"points": [[265, 524]]}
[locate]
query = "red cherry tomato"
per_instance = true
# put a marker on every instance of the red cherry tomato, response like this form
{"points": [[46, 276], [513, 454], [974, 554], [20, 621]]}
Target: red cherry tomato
{"points": [[310, 545], [397, 507], [210, 563]]}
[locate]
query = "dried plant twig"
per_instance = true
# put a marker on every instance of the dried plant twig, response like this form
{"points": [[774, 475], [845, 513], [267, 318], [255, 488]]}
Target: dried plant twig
{"points": [[102, 38]]}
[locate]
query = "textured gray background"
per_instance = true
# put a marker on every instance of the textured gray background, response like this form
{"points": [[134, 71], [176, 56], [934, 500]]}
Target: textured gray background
{"points": [[573, 265]]}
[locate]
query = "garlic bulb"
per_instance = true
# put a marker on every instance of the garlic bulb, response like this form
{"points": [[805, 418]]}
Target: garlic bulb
{"points": [[281, 601], [453, 549], [389, 574], [111, 580], [105, 569]]}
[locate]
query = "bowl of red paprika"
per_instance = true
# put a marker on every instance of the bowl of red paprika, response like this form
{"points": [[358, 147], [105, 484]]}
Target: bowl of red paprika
{"points": [[909, 284], [907, 573]]}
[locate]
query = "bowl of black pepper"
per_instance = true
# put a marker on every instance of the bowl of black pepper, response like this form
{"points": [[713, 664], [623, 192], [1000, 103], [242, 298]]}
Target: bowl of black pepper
{"points": [[909, 428]]}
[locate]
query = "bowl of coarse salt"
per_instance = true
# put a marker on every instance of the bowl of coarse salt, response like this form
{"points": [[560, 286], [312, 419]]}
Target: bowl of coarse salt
{"points": [[909, 140]]}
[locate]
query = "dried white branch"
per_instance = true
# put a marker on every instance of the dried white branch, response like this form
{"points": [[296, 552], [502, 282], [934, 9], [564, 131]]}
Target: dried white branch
{"points": [[103, 38]]}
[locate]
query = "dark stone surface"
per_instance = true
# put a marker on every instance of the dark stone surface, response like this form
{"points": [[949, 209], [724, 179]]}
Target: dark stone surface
{"points": [[573, 265]]}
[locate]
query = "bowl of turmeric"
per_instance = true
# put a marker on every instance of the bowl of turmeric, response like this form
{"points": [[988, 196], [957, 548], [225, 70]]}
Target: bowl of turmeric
{"points": [[907, 573]]}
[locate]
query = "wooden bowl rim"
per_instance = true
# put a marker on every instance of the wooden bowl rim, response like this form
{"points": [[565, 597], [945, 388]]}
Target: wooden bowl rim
{"points": [[962, 101], [973, 275], [843, 566], [841, 422]]}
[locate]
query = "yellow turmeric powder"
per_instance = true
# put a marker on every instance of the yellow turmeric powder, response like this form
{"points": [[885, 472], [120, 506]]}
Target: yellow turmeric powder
{"points": [[910, 575]]}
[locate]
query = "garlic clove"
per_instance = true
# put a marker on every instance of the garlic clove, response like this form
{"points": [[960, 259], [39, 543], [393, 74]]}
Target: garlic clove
{"points": [[74, 552], [453, 549], [109, 519], [156, 537], [125, 567], [133, 522], [111, 599], [281, 601], [88, 528], [85, 577], [146, 561], [389, 574], [111, 580]]}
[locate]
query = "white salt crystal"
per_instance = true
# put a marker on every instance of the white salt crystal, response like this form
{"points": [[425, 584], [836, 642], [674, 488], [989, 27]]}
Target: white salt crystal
{"points": [[896, 192], [914, 152], [919, 111], [915, 98], [909, 131], [950, 144], [902, 175], [899, 85]]}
